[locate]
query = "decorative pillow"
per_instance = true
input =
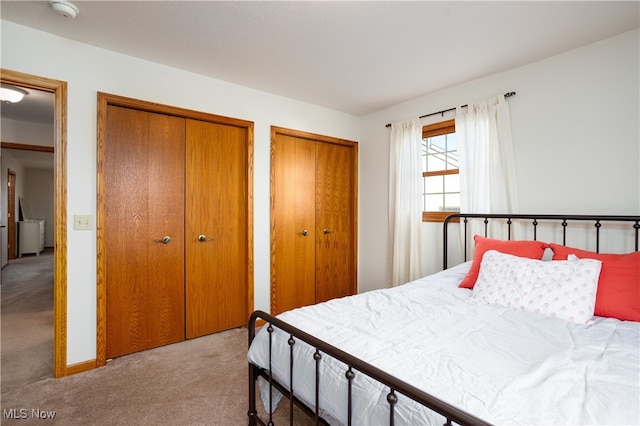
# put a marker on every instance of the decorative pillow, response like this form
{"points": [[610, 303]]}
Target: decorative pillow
{"points": [[618, 293], [522, 248], [559, 289]]}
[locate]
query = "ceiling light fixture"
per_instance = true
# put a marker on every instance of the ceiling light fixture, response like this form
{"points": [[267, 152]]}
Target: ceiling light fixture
{"points": [[65, 8], [11, 94]]}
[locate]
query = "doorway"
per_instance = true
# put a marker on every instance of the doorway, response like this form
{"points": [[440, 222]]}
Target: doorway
{"points": [[59, 90]]}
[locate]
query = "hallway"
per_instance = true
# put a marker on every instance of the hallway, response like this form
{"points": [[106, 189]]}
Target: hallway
{"points": [[26, 293]]}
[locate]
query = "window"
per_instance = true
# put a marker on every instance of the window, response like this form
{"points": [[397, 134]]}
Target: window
{"points": [[441, 193]]}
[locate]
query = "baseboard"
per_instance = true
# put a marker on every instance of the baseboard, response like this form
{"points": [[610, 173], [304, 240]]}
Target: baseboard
{"points": [[81, 367]]}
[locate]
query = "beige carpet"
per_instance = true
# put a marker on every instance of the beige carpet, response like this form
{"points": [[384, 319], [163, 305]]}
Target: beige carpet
{"points": [[198, 382]]}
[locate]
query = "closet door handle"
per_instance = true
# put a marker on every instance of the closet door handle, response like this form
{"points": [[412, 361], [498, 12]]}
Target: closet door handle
{"points": [[327, 231], [305, 232], [202, 238], [165, 240]]}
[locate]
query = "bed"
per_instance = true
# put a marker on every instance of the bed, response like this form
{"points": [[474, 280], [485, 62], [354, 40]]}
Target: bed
{"points": [[519, 331]]}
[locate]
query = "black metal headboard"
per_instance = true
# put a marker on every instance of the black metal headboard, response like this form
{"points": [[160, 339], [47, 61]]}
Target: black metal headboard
{"points": [[536, 219]]}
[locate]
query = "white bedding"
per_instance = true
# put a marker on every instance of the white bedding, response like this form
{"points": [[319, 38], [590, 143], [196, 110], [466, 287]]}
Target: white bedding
{"points": [[502, 365]]}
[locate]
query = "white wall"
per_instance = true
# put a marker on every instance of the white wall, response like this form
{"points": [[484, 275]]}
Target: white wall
{"points": [[39, 196], [40, 192], [36, 186], [576, 142], [16, 131], [88, 70], [26, 132]]}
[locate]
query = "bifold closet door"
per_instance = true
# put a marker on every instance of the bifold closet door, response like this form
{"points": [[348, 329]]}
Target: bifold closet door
{"points": [[144, 204], [216, 227], [293, 230], [335, 221], [313, 218]]}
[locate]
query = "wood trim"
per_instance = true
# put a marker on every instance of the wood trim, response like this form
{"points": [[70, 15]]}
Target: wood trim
{"points": [[81, 367], [437, 129], [24, 147], [11, 207], [442, 172], [109, 99], [250, 244], [275, 130], [438, 216], [355, 216], [101, 241], [104, 100], [59, 90]]}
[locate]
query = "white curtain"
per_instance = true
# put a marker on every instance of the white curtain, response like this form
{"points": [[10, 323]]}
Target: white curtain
{"points": [[486, 159], [405, 195]]}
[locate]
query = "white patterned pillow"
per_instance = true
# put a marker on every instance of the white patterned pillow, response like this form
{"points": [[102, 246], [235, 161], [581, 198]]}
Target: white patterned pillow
{"points": [[560, 288]]}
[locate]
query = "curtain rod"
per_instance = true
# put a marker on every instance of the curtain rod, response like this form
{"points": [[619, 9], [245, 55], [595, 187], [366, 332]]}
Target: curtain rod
{"points": [[506, 95]]}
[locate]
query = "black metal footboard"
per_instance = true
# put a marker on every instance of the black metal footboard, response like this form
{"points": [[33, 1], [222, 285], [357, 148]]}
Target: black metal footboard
{"points": [[352, 364]]}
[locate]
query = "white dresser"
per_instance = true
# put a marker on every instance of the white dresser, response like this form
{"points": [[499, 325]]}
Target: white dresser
{"points": [[31, 237]]}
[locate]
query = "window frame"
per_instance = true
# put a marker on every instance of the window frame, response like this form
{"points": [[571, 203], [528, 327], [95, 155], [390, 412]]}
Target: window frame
{"points": [[430, 130]]}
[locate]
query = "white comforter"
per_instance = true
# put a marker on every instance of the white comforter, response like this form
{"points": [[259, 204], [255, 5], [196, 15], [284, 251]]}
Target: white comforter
{"points": [[502, 365]]}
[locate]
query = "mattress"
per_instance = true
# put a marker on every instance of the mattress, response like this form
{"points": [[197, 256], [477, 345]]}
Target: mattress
{"points": [[500, 364]]}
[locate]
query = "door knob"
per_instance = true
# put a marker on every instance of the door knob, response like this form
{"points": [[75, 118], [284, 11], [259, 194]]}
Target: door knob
{"points": [[327, 231], [305, 232], [202, 238], [165, 240]]}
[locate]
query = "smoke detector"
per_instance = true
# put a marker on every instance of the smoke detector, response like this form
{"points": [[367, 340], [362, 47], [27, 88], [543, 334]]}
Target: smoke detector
{"points": [[65, 8]]}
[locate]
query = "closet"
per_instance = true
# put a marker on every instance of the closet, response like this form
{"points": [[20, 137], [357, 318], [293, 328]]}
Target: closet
{"points": [[313, 218], [174, 225]]}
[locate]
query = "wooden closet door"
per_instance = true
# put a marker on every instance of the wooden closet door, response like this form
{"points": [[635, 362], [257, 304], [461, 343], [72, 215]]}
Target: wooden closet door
{"points": [[144, 202], [335, 221], [293, 229], [216, 227]]}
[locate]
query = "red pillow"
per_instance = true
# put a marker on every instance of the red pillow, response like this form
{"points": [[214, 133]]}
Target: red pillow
{"points": [[618, 294], [522, 248]]}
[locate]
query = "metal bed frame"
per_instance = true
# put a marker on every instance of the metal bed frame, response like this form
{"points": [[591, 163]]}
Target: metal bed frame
{"points": [[535, 219], [353, 364]]}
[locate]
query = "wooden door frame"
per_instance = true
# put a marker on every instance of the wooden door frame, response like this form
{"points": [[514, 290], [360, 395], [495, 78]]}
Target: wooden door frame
{"points": [[104, 100], [11, 207], [59, 90]]}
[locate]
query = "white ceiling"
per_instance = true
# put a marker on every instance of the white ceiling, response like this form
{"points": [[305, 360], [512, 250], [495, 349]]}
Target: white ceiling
{"points": [[36, 106], [357, 57]]}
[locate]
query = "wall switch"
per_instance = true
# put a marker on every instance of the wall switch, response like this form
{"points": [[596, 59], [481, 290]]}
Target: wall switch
{"points": [[82, 221]]}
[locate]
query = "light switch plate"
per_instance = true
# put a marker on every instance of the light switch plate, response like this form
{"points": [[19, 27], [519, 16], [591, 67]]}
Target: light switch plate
{"points": [[82, 221]]}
